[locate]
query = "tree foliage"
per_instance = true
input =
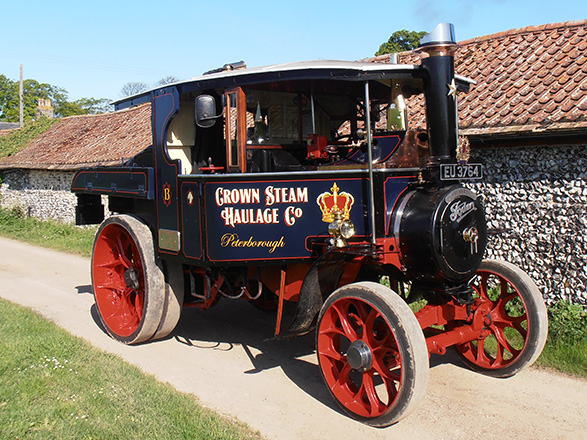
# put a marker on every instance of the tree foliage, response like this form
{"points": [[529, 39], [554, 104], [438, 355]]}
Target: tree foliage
{"points": [[132, 88], [33, 91], [87, 106], [401, 41], [167, 80]]}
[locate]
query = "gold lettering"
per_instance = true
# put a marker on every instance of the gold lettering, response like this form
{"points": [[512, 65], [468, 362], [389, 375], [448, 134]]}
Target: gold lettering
{"points": [[233, 240]]}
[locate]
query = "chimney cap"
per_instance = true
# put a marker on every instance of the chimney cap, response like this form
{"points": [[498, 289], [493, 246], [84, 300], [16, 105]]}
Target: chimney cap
{"points": [[444, 33]]}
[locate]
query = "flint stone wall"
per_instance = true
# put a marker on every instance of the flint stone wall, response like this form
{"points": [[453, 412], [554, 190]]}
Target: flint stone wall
{"points": [[539, 196], [40, 193], [43, 194]]}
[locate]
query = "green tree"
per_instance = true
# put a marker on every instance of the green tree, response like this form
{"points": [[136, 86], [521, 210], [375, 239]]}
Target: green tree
{"points": [[401, 41], [8, 99], [85, 106], [33, 91]]}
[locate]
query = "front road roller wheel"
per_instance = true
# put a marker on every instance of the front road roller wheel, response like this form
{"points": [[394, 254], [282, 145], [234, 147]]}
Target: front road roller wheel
{"points": [[372, 353], [129, 287], [516, 321]]}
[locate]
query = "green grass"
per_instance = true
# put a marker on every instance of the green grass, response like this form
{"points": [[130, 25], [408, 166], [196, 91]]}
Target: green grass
{"points": [[52, 234], [56, 386]]}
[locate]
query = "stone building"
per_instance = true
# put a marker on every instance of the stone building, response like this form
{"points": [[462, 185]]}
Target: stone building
{"points": [[525, 119], [45, 109], [38, 178]]}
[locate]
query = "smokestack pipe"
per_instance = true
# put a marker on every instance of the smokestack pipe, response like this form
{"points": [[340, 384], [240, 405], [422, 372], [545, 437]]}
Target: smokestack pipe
{"points": [[440, 91]]}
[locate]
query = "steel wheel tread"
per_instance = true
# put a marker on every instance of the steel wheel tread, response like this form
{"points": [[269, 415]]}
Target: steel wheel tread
{"points": [[174, 294], [368, 320]]}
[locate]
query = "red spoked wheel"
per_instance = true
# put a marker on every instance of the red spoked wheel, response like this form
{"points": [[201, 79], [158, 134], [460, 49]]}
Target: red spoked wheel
{"points": [[129, 288], [515, 318], [372, 353]]}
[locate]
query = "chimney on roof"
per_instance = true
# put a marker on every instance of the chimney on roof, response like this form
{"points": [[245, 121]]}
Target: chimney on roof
{"points": [[44, 108]]}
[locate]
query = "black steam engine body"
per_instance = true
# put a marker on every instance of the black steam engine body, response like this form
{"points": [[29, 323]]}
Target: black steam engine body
{"points": [[304, 183]]}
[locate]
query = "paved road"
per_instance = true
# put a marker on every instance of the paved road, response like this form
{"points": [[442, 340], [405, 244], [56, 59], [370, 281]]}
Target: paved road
{"points": [[221, 356]]}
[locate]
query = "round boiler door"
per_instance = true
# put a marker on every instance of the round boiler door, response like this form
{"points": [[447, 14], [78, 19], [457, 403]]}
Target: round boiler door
{"points": [[462, 233]]}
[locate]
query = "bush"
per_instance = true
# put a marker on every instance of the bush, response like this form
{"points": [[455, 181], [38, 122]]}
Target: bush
{"points": [[567, 322]]}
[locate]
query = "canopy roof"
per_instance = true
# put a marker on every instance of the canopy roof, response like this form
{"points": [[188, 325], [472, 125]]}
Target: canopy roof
{"points": [[353, 71]]}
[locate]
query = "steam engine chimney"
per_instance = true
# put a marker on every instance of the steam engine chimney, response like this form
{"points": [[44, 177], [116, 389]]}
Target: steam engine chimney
{"points": [[441, 94]]}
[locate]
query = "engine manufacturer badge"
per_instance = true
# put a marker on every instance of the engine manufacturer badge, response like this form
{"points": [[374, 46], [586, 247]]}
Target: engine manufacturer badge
{"points": [[460, 209]]}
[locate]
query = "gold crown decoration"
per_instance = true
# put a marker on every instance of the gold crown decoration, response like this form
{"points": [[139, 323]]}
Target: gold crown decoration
{"points": [[332, 203]]}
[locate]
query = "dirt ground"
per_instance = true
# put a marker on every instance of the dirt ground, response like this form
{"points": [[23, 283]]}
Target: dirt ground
{"points": [[223, 356]]}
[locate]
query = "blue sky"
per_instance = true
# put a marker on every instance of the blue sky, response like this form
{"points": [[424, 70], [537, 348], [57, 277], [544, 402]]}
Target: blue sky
{"points": [[92, 48]]}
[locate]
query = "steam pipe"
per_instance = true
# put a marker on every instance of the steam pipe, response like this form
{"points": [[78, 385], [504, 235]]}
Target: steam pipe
{"points": [[370, 156]]}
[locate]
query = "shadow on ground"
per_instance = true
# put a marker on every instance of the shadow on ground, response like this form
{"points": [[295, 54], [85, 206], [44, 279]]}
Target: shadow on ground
{"points": [[237, 323], [231, 323]]}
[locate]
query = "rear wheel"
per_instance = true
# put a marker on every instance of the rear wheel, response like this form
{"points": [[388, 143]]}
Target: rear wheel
{"points": [[516, 322], [372, 353], [174, 294], [129, 287]]}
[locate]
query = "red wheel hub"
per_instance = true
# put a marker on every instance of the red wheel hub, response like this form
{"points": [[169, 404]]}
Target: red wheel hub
{"points": [[118, 280], [359, 357]]}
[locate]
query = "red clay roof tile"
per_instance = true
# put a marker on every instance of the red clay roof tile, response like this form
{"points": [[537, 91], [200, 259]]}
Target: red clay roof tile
{"points": [[80, 141]]}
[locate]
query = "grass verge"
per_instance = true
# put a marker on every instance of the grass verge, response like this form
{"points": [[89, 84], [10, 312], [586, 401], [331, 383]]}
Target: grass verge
{"points": [[566, 348], [52, 234], [57, 386]]}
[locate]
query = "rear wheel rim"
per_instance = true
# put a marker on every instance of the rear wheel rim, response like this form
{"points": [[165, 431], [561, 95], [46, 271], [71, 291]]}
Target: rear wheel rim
{"points": [[352, 329], [119, 280]]}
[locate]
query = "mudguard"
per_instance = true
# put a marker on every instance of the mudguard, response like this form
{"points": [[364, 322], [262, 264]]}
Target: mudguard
{"points": [[320, 281]]}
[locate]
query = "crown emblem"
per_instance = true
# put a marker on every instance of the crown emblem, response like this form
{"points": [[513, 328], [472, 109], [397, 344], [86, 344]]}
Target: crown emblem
{"points": [[335, 203]]}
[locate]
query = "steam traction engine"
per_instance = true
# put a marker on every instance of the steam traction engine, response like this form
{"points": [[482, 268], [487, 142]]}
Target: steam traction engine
{"points": [[304, 183]]}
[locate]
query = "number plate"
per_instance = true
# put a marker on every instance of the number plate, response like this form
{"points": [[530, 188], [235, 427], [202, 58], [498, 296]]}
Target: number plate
{"points": [[455, 171]]}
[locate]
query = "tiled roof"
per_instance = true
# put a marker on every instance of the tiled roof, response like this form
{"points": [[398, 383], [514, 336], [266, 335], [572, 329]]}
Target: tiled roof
{"points": [[82, 141], [529, 80]]}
